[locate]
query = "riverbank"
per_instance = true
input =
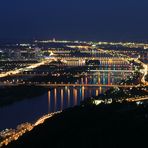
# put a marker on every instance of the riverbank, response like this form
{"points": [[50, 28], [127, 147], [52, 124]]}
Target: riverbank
{"points": [[10, 95], [114, 125]]}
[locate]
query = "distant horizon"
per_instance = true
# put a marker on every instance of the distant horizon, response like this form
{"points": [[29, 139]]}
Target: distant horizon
{"points": [[8, 40]]}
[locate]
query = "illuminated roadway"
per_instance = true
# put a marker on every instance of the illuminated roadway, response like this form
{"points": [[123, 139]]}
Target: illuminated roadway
{"points": [[42, 119], [83, 85], [87, 58], [19, 133], [17, 71], [63, 85], [30, 74], [45, 74], [137, 99], [109, 70]]}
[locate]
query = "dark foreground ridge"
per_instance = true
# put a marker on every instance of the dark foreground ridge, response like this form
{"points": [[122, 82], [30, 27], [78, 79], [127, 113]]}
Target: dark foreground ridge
{"points": [[104, 126]]}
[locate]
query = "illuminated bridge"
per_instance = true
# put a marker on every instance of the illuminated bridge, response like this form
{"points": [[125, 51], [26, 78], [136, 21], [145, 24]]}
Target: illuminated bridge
{"points": [[83, 85], [31, 74], [68, 85]]}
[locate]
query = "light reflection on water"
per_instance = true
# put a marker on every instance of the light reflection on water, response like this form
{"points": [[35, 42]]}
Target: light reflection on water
{"points": [[64, 97], [56, 99]]}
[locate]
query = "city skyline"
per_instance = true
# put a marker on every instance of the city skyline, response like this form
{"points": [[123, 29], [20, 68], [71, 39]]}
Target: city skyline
{"points": [[74, 20], [73, 73]]}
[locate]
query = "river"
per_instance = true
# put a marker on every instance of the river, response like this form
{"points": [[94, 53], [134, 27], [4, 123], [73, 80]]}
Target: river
{"points": [[29, 110]]}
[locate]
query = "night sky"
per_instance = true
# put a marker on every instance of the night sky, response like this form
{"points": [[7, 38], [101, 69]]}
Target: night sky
{"points": [[106, 20]]}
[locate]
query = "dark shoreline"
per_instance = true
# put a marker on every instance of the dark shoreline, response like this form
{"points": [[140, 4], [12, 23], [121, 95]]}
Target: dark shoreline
{"points": [[115, 125], [23, 92]]}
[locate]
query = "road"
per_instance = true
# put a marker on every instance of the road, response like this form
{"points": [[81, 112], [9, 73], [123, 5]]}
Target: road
{"points": [[42, 119], [19, 133], [68, 85], [111, 70], [45, 74], [20, 70], [137, 99], [83, 85]]}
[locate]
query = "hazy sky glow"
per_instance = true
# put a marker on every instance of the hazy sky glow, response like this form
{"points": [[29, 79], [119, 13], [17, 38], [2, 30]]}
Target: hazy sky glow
{"points": [[74, 19]]}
